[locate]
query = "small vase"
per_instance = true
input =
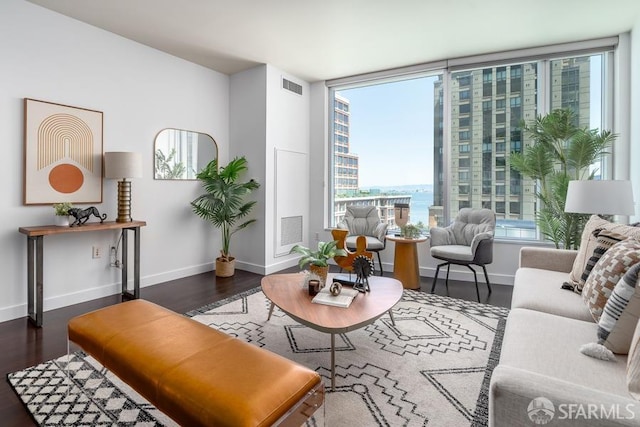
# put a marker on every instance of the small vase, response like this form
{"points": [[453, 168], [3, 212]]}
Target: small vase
{"points": [[61, 220]]}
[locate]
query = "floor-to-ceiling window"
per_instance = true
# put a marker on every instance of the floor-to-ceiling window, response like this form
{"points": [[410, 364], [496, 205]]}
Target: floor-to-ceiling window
{"points": [[444, 139], [382, 149]]}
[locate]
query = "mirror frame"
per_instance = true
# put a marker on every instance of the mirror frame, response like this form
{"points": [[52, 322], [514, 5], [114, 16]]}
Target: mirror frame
{"points": [[155, 149]]}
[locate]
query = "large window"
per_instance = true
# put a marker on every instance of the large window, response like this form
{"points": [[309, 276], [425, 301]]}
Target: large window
{"points": [[383, 150], [575, 82], [442, 142]]}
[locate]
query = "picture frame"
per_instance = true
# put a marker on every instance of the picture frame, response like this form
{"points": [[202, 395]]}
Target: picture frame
{"points": [[62, 153]]}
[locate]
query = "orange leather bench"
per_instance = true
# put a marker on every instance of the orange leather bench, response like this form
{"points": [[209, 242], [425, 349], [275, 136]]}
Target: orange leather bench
{"points": [[195, 374]]}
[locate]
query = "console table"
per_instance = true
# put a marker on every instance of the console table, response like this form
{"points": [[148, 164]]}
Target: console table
{"points": [[35, 255]]}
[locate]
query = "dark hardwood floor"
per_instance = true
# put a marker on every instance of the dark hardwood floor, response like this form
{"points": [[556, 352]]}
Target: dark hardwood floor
{"points": [[24, 345]]}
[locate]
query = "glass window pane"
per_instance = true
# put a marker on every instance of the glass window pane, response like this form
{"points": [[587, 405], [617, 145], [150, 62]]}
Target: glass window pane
{"points": [[488, 108], [383, 148], [512, 90]]}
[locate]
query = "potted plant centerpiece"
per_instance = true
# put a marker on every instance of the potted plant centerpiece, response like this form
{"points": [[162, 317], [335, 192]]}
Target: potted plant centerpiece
{"points": [[410, 231], [62, 213], [224, 205], [317, 259]]}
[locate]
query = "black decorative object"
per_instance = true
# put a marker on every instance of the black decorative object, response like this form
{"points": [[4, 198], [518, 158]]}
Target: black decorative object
{"points": [[363, 267], [82, 215]]}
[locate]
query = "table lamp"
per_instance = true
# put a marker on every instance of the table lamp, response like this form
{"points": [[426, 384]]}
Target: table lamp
{"points": [[123, 165], [609, 197]]}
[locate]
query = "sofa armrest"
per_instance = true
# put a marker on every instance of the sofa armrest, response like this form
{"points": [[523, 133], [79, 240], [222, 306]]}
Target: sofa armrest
{"points": [[512, 390], [548, 258]]}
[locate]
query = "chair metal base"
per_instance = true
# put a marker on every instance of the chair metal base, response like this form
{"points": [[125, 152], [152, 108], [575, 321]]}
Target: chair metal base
{"points": [[475, 277]]}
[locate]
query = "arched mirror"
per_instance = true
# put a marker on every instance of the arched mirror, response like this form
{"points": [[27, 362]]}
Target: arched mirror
{"points": [[181, 154]]}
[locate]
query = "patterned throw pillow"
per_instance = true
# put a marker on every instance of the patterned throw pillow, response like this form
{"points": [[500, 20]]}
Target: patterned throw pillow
{"points": [[589, 242], [620, 315], [605, 240], [606, 274]]}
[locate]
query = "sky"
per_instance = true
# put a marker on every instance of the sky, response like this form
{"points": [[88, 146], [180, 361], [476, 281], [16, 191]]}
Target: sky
{"points": [[391, 131]]}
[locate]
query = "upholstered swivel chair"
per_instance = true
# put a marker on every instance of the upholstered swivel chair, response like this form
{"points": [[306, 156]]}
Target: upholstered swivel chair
{"points": [[467, 241], [364, 221]]}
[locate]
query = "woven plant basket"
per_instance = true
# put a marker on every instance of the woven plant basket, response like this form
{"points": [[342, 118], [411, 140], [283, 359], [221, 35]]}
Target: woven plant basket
{"points": [[225, 268]]}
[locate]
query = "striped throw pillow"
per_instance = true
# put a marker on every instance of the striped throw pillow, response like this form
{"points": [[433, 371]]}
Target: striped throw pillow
{"points": [[605, 240], [620, 315]]}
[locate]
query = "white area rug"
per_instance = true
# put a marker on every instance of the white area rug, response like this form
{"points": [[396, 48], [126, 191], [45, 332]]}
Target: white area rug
{"points": [[433, 367]]}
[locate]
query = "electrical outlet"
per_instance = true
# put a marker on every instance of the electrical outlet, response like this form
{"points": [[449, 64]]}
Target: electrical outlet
{"points": [[96, 252], [317, 237]]}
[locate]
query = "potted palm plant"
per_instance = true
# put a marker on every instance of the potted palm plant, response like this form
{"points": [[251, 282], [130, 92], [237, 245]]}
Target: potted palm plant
{"points": [[224, 205], [318, 259], [561, 152]]}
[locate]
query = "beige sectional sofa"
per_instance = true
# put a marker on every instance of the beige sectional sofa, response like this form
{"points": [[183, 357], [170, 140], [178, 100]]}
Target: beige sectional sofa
{"points": [[541, 362]]}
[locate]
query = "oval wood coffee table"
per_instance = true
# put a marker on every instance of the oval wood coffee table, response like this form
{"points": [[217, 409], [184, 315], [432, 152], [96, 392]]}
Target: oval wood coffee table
{"points": [[286, 292]]}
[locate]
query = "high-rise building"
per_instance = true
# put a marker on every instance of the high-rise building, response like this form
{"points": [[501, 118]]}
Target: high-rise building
{"points": [[487, 109], [346, 185], [346, 163]]}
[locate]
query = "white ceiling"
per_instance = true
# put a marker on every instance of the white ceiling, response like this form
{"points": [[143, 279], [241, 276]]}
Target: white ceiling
{"points": [[325, 39]]}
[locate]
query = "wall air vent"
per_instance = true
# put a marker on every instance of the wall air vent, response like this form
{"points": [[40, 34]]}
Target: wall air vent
{"points": [[291, 86], [291, 230]]}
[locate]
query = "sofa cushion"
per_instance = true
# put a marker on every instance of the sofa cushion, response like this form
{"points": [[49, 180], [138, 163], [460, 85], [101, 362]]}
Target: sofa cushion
{"points": [[539, 290], [549, 345], [606, 274], [633, 365], [620, 316], [588, 242]]}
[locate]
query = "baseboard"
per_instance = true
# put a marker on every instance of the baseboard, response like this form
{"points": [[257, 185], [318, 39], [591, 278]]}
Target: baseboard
{"points": [[269, 269], [461, 273], [59, 301], [64, 300], [179, 273]]}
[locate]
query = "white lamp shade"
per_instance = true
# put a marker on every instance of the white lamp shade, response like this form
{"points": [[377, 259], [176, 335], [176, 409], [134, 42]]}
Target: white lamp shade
{"points": [[600, 197], [122, 164]]}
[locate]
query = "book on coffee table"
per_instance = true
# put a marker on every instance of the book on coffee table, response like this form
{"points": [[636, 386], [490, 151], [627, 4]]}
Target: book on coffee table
{"points": [[343, 300]]}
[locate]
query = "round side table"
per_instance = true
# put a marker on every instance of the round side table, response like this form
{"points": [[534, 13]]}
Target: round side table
{"points": [[405, 261]]}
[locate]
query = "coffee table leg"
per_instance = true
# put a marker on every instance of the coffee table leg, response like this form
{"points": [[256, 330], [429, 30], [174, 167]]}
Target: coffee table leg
{"points": [[270, 311], [393, 321], [333, 362]]}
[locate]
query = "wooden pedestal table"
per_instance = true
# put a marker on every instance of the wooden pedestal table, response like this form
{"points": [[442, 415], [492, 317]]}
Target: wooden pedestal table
{"points": [[405, 261], [35, 259], [285, 291]]}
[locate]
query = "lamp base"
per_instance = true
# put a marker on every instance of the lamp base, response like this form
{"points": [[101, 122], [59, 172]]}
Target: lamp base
{"points": [[124, 201]]}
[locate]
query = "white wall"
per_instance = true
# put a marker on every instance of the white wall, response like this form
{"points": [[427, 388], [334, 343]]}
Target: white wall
{"points": [[248, 120], [265, 117], [140, 90], [634, 157]]}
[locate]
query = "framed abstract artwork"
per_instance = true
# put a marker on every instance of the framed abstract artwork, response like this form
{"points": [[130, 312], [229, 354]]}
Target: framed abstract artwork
{"points": [[62, 153]]}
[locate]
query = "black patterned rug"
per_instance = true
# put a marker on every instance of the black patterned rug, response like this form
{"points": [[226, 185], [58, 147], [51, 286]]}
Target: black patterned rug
{"points": [[433, 367]]}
